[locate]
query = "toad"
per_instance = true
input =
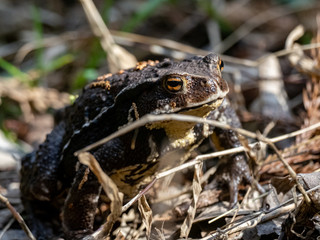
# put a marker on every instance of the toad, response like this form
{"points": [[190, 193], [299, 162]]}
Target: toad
{"points": [[51, 176]]}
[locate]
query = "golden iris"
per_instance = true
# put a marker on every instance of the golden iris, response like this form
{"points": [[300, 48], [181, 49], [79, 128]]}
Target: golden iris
{"points": [[221, 65], [173, 83]]}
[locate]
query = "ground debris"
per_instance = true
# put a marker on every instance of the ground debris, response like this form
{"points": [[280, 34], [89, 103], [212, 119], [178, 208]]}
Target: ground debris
{"points": [[255, 31]]}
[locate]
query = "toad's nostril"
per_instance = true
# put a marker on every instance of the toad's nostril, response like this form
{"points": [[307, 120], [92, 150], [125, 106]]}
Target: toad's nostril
{"points": [[203, 82]]}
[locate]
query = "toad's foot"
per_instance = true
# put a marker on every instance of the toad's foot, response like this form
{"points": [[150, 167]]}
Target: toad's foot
{"points": [[231, 173]]}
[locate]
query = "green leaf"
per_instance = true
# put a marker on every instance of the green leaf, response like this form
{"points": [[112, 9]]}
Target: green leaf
{"points": [[38, 35], [59, 62], [84, 77], [144, 12], [14, 71]]}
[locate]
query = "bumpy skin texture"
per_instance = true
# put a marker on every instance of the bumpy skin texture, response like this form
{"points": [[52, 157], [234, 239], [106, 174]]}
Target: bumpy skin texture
{"points": [[235, 168], [51, 175]]}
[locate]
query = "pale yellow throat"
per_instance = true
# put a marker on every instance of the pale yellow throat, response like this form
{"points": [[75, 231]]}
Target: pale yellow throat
{"points": [[181, 134]]}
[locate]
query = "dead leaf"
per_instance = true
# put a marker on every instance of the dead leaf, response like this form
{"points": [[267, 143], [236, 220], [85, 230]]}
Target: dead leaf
{"points": [[110, 189], [146, 214], [196, 190]]}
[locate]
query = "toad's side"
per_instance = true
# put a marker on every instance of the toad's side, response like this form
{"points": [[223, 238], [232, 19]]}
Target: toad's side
{"points": [[52, 180]]}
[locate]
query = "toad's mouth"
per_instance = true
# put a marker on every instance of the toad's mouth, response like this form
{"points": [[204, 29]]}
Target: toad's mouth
{"points": [[202, 110], [210, 105]]}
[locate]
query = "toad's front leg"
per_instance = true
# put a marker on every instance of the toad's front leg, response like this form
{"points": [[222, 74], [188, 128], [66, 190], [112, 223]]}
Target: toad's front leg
{"points": [[235, 168], [80, 205]]}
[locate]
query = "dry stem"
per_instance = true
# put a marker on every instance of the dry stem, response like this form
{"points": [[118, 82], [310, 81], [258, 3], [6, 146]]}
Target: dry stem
{"points": [[260, 217], [118, 57], [18, 217]]}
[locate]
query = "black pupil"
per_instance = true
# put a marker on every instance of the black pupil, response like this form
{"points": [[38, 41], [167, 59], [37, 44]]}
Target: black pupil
{"points": [[221, 64], [174, 83]]}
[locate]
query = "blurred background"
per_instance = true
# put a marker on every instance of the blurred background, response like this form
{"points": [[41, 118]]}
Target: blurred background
{"points": [[49, 51]]}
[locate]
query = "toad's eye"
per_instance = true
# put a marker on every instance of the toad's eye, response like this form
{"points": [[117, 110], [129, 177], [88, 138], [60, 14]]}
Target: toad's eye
{"points": [[221, 65], [173, 83]]}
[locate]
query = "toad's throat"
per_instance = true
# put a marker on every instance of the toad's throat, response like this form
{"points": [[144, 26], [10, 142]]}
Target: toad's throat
{"points": [[177, 130]]}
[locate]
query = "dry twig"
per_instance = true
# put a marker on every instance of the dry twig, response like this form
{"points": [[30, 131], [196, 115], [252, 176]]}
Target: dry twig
{"points": [[8, 225], [290, 170], [256, 21], [118, 57], [18, 217], [184, 118], [259, 217]]}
